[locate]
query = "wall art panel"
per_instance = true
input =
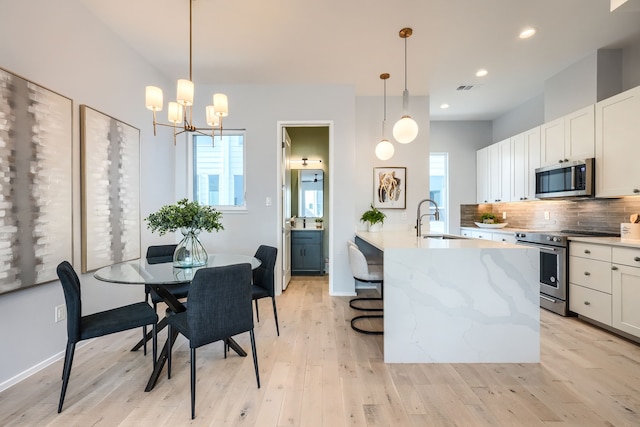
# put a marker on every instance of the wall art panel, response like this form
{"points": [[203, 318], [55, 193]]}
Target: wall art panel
{"points": [[35, 182], [110, 190]]}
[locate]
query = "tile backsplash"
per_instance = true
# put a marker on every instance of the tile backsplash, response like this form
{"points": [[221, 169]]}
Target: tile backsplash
{"points": [[573, 214]]}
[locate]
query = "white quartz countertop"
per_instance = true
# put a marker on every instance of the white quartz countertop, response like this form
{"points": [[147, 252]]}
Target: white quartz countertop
{"points": [[407, 239], [613, 241]]}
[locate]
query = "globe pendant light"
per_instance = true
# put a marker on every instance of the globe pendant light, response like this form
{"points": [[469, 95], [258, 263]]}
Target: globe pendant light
{"points": [[406, 129], [384, 149]]}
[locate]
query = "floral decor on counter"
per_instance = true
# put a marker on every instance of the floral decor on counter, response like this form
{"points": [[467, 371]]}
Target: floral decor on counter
{"points": [[190, 218]]}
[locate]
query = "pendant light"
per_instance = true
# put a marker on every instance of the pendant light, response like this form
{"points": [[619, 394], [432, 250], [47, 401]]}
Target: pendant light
{"points": [[384, 149], [406, 129]]}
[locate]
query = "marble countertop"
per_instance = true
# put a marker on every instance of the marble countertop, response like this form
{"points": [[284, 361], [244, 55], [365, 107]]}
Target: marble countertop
{"points": [[407, 239]]}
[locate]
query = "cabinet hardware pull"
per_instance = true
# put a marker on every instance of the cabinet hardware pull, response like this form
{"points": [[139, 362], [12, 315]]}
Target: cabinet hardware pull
{"points": [[566, 160], [587, 303], [636, 191], [587, 251], [637, 258], [586, 273], [613, 267]]}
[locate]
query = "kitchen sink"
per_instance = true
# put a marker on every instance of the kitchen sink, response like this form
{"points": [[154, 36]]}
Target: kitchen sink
{"points": [[442, 236]]}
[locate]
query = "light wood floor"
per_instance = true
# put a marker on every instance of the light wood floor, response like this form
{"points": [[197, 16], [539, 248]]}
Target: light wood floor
{"points": [[321, 373]]}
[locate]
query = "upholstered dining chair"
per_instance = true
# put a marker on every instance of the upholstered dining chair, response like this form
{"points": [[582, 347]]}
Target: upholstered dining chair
{"points": [[264, 280], [368, 273], [219, 308], [95, 325], [160, 254]]}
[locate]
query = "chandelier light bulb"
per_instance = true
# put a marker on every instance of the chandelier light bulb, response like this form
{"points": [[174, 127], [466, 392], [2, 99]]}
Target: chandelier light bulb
{"points": [[174, 113], [153, 98], [384, 150], [220, 104], [185, 92], [405, 130], [212, 119]]}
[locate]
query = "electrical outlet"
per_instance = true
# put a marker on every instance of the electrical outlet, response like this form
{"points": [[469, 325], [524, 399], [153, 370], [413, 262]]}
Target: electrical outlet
{"points": [[60, 313], [504, 215], [404, 216], [546, 215], [268, 201]]}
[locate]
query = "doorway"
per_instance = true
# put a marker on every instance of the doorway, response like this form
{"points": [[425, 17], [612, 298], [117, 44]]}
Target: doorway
{"points": [[305, 153]]}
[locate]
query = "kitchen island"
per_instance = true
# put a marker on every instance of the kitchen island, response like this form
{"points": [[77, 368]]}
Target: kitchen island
{"points": [[458, 300]]}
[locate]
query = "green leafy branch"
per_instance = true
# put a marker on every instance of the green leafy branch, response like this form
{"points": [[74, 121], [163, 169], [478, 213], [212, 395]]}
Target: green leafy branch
{"points": [[185, 214]]}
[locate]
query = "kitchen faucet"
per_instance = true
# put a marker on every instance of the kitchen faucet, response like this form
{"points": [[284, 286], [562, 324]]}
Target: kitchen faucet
{"points": [[436, 215]]}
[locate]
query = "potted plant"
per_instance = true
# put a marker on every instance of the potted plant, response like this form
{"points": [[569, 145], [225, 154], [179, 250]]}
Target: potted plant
{"points": [[374, 217], [319, 222], [488, 218], [190, 218]]}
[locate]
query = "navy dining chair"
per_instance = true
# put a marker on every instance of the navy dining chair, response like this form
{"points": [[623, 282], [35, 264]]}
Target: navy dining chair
{"points": [[95, 325]]}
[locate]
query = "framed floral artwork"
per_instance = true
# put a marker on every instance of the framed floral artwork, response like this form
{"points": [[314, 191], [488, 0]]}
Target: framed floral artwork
{"points": [[389, 187]]}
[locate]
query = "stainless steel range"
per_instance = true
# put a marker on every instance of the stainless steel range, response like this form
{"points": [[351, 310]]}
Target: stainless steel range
{"points": [[554, 264]]}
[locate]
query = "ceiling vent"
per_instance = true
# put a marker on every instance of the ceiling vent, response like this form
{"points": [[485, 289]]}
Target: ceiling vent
{"points": [[464, 87]]}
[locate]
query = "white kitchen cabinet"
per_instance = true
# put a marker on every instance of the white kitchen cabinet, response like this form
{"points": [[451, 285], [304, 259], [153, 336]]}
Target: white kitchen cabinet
{"points": [[499, 171], [570, 137], [525, 158], [617, 136], [485, 235], [590, 286], [626, 290], [465, 232], [503, 237], [482, 175]]}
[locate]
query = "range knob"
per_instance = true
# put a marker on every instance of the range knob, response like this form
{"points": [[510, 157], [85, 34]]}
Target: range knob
{"points": [[549, 238], [556, 239]]}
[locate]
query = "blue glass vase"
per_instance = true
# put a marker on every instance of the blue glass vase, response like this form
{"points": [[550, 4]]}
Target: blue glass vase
{"points": [[190, 252]]}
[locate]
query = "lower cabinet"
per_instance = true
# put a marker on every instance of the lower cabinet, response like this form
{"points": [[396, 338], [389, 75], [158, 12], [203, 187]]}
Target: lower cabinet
{"points": [[306, 252], [626, 290], [605, 285]]}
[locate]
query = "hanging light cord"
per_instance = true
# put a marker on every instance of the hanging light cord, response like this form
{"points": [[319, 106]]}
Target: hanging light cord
{"points": [[405, 63], [384, 117]]}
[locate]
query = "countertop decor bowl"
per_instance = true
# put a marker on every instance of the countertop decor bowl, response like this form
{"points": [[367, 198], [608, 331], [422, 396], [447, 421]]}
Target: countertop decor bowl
{"points": [[499, 225]]}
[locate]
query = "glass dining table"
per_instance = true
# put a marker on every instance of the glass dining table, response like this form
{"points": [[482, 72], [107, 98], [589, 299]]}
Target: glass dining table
{"points": [[158, 277]]}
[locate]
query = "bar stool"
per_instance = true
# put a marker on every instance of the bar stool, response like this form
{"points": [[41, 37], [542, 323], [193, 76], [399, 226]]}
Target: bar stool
{"points": [[368, 273]]}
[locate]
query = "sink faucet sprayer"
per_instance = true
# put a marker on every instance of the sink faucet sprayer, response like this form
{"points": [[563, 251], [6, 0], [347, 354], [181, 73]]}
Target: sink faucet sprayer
{"points": [[436, 215]]}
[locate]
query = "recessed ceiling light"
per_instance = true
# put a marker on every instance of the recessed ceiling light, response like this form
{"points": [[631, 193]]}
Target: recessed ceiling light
{"points": [[481, 72], [444, 106], [527, 32]]}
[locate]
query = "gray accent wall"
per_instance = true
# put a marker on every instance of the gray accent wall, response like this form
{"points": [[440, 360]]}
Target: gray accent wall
{"points": [[461, 140]]}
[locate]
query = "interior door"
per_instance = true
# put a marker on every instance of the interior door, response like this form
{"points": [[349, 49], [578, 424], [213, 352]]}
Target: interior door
{"points": [[286, 209]]}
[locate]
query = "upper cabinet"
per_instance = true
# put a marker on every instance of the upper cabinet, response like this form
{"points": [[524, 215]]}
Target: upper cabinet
{"points": [[499, 171], [482, 175], [525, 158], [570, 137], [617, 138]]}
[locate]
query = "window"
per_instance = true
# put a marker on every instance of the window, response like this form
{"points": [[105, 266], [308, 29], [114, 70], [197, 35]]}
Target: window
{"points": [[438, 191], [218, 171]]}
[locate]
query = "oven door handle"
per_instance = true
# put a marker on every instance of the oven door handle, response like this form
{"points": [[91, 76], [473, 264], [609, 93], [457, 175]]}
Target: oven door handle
{"points": [[542, 248], [548, 299]]}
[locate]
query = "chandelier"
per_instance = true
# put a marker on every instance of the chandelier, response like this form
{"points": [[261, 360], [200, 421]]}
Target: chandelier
{"points": [[406, 129], [179, 112]]}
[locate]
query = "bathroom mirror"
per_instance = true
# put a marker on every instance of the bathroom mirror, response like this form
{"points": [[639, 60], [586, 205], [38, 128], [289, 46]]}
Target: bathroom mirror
{"points": [[307, 193]]}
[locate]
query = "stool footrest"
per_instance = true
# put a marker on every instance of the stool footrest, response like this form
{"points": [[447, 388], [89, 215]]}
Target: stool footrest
{"points": [[365, 331]]}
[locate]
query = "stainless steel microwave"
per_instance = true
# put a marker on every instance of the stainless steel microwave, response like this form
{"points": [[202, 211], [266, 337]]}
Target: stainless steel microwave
{"points": [[566, 179]]}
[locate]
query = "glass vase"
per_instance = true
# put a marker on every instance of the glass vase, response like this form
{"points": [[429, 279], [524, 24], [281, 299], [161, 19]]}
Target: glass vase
{"points": [[189, 252]]}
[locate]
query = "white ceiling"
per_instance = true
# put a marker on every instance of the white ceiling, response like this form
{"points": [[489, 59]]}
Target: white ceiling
{"points": [[354, 41]]}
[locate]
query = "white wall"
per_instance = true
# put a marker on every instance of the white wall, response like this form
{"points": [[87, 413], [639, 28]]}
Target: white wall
{"points": [[61, 46], [461, 139], [414, 156], [525, 116], [259, 109]]}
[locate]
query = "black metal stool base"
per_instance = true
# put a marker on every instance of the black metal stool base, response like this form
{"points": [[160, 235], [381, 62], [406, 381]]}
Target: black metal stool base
{"points": [[365, 299], [365, 331]]}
